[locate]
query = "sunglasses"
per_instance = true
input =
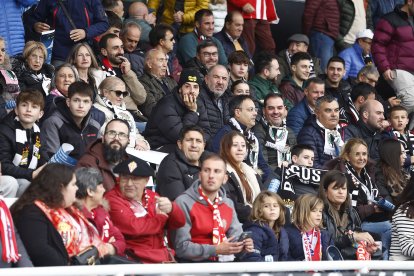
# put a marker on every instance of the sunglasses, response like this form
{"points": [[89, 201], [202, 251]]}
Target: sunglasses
{"points": [[120, 93]]}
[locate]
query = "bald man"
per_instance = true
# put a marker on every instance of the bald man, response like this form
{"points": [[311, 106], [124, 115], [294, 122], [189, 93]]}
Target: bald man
{"points": [[155, 79], [369, 126], [138, 12]]}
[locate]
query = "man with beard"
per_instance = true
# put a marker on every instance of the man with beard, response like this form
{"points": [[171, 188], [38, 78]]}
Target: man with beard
{"points": [[368, 127], [214, 98], [115, 64], [105, 153], [334, 84], [274, 137], [292, 85], [178, 170]]}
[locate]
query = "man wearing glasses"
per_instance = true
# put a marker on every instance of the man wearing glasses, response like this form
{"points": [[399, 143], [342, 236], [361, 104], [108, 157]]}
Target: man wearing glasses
{"points": [[207, 56], [105, 153], [111, 103]]}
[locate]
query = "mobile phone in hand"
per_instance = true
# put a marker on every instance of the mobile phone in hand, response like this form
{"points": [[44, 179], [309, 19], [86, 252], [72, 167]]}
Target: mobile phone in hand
{"points": [[245, 235]]}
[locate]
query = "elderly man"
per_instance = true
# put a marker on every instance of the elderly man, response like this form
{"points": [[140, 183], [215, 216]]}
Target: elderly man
{"points": [[211, 227], [162, 38], [321, 132], [230, 35], [214, 98], [297, 116], [275, 138], [368, 127], [207, 56], [204, 28], [138, 12], [111, 103], [155, 80], [180, 108], [107, 152], [178, 170], [297, 43], [130, 36], [358, 55], [140, 214]]}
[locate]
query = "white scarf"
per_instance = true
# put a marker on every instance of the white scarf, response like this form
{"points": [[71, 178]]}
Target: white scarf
{"points": [[333, 141], [251, 179]]}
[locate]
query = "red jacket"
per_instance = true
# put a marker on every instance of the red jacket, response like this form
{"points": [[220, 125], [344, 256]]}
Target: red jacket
{"points": [[321, 16], [144, 235], [259, 13], [393, 43], [100, 218]]}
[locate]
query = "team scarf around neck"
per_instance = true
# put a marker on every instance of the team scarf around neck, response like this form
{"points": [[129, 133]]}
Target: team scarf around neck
{"points": [[10, 253], [219, 234], [333, 141], [253, 143], [276, 138], [76, 231], [312, 245], [23, 144], [367, 187]]}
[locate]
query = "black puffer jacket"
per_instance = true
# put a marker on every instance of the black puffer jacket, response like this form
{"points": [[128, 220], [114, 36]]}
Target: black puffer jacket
{"points": [[29, 78], [168, 117], [371, 136], [216, 118], [175, 175]]}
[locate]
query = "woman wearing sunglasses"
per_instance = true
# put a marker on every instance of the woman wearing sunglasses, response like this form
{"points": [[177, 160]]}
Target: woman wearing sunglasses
{"points": [[111, 102]]}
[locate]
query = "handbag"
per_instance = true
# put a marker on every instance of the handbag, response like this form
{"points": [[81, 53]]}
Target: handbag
{"points": [[89, 256]]}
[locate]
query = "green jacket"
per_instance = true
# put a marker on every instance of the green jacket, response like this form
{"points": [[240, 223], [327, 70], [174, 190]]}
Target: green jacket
{"points": [[261, 87]]}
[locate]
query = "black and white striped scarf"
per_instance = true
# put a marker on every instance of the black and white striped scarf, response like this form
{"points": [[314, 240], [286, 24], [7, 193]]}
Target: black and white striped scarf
{"points": [[360, 183], [27, 146]]}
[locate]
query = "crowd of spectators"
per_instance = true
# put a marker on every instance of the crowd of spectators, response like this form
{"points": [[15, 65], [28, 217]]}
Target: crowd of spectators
{"points": [[205, 83]]}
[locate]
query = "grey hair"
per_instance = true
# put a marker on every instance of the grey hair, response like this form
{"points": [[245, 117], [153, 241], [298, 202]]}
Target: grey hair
{"points": [[128, 24], [369, 69], [323, 99], [87, 178], [60, 67]]}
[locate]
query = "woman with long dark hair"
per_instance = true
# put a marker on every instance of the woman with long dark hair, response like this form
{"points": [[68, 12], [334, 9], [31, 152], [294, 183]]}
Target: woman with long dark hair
{"points": [[390, 173], [402, 237], [244, 183], [51, 228], [339, 218]]}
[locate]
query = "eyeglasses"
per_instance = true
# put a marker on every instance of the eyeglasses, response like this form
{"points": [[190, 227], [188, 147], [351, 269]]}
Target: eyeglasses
{"points": [[120, 93], [210, 54], [170, 39], [250, 109], [112, 134]]}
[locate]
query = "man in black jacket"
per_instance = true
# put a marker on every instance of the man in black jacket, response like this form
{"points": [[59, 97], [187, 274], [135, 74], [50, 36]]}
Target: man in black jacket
{"points": [[22, 152], [368, 127], [178, 170], [174, 111], [214, 97]]}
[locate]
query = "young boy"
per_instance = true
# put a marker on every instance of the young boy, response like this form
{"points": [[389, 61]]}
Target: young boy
{"points": [[71, 121], [302, 155], [21, 151], [398, 119]]}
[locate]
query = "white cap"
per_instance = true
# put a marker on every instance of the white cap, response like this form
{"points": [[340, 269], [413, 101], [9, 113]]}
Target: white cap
{"points": [[367, 33]]}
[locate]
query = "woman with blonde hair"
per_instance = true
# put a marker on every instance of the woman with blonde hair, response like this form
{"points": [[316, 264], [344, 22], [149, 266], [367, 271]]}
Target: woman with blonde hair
{"points": [[31, 69], [307, 240], [244, 183], [360, 172], [84, 60]]}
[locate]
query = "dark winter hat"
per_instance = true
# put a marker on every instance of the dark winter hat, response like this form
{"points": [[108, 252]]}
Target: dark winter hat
{"points": [[134, 166], [299, 38], [189, 75]]}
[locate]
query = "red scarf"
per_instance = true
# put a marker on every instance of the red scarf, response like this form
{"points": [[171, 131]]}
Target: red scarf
{"points": [[76, 231], [312, 245], [10, 252], [219, 234]]}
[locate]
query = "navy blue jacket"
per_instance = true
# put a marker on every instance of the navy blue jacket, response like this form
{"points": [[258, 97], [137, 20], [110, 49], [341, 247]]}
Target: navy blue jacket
{"points": [[297, 116], [228, 44], [266, 243], [314, 136], [296, 245], [366, 133], [86, 14]]}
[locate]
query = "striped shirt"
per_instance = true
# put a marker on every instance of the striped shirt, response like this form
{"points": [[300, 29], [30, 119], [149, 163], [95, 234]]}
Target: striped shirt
{"points": [[402, 237]]}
